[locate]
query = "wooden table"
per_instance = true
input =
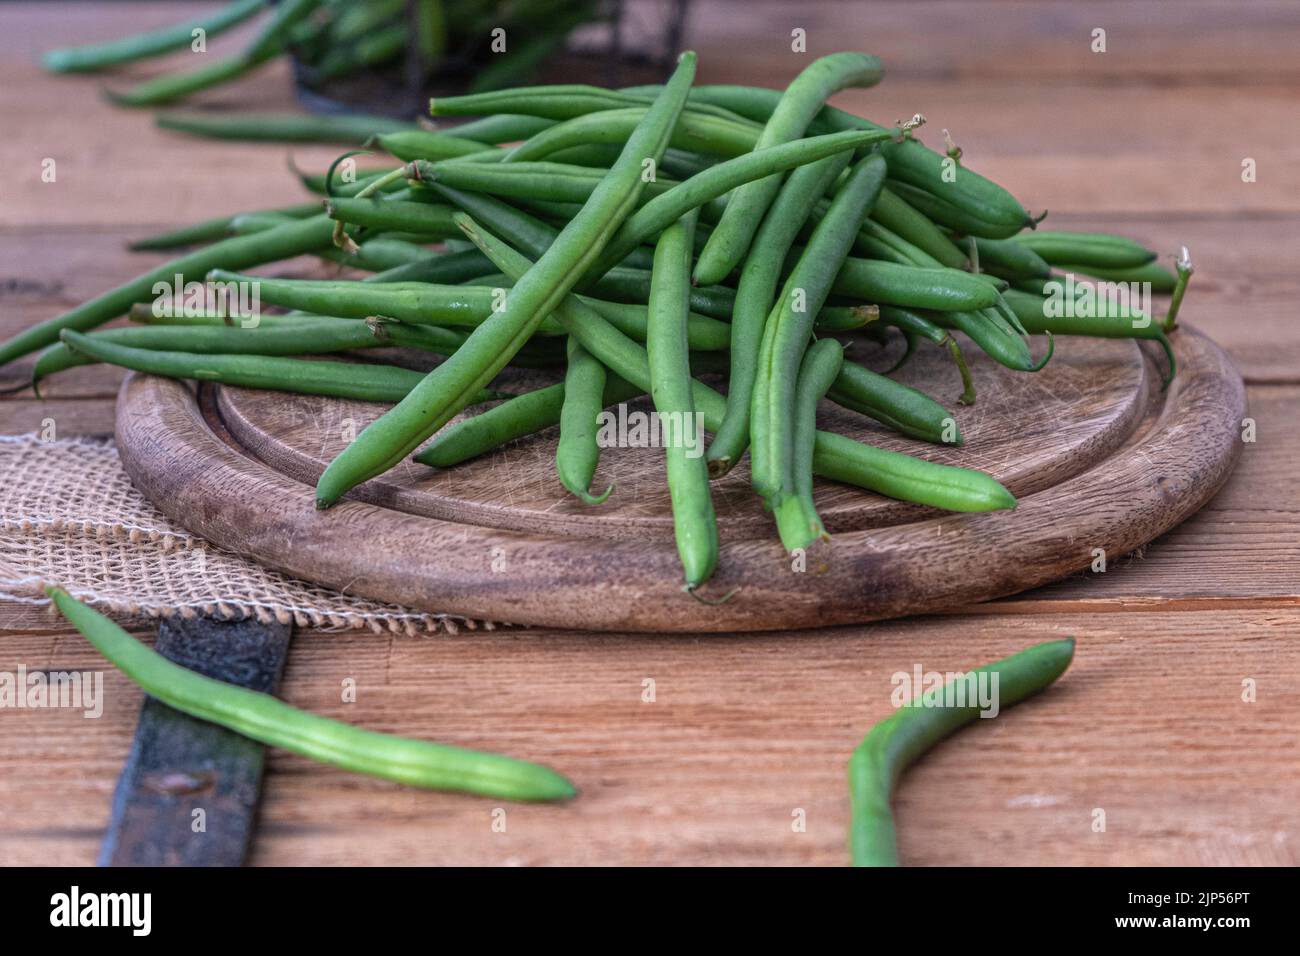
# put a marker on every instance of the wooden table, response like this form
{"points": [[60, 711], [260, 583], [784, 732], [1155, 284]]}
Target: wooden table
{"points": [[748, 735]]}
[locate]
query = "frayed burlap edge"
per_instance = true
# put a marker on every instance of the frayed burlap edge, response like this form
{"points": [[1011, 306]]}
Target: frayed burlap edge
{"points": [[69, 515]]}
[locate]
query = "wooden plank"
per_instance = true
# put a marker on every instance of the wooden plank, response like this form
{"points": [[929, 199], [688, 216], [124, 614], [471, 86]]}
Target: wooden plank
{"points": [[742, 733]]}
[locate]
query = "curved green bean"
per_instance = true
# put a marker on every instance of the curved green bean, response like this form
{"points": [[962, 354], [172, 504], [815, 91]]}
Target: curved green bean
{"points": [[801, 101], [894, 744], [271, 721]]}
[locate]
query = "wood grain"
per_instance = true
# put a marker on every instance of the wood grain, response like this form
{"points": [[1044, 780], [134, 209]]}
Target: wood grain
{"points": [[1146, 140], [1148, 725]]}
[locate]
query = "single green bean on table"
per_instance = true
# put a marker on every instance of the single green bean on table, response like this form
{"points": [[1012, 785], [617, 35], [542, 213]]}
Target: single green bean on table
{"points": [[835, 456], [140, 46], [534, 296], [353, 380], [801, 101], [896, 743], [819, 369], [695, 526], [271, 721], [788, 332], [755, 295]]}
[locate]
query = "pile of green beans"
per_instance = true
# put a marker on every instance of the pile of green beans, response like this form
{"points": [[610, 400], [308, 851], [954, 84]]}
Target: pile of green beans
{"points": [[630, 242], [330, 39]]}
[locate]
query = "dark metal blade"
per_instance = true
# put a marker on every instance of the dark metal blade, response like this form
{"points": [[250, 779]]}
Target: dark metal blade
{"points": [[189, 791]]}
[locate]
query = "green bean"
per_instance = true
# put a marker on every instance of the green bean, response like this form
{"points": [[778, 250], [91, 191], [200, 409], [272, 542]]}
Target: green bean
{"points": [[800, 102], [1160, 278], [908, 224], [841, 318], [514, 418], [1011, 259], [558, 102], [900, 407], [353, 380], [945, 210], [717, 180], [558, 182], [888, 283], [451, 268], [1087, 249], [992, 333], [210, 230], [271, 721], [534, 296], [307, 336], [797, 520], [980, 200], [695, 526], [502, 128], [416, 302], [96, 56], [755, 295], [913, 325], [267, 45], [281, 127], [894, 744], [699, 134], [1184, 266], [412, 144], [1101, 322], [432, 219], [577, 452], [835, 457], [789, 328], [282, 242]]}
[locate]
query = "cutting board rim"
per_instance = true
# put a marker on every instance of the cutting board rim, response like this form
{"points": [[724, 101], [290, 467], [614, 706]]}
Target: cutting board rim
{"points": [[173, 449]]}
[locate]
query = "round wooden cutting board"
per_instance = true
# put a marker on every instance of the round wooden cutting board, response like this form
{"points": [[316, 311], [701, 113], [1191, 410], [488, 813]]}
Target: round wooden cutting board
{"points": [[1097, 454]]}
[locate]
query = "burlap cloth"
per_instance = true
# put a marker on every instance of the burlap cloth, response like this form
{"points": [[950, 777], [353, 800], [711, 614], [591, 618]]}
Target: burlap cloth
{"points": [[69, 515]]}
